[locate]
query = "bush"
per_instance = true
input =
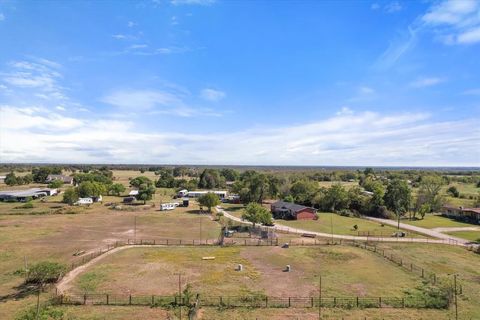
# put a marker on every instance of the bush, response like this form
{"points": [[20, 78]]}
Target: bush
{"points": [[28, 205], [44, 272], [45, 313], [55, 184]]}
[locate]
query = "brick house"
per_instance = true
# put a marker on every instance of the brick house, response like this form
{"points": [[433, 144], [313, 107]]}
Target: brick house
{"points": [[292, 211]]}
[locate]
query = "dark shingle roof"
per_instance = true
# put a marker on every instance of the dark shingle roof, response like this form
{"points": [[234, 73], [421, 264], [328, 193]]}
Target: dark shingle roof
{"points": [[290, 206]]}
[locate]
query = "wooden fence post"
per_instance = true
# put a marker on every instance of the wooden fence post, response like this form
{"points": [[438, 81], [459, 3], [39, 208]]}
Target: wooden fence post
{"points": [[108, 302], [130, 299], [379, 302], [311, 298], [289, 302], [357, 301], [85, 299], [153, 300], [266, 301]]}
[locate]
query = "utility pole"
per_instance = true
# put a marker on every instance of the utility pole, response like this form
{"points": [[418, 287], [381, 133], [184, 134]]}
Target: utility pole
{"points": [[38, 302], [26, 267], [180, 292], [320, 297], [331, 225], [455, 295], [134, 229]]}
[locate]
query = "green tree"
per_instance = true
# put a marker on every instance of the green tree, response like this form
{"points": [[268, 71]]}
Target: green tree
{"points": [[210, 179], [44, 272], [136, 182], [303, 191], [11, 179], [40, 174], [70, 195], [336, 198], [116, 189], [256, 213], [146, 192], [453, 191], [398, 197], [230, 174], [209, 200], [91, 189], [55, 184], [429, 192]]}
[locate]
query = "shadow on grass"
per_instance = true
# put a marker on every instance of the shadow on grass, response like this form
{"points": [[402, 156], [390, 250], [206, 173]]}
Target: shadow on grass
{"points": [[22, 291]]}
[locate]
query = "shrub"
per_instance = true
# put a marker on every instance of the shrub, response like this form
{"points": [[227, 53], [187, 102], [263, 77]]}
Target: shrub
{"points": [[44, 272], [55, 184]]}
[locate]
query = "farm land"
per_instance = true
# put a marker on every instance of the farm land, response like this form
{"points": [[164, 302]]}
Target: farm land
{"points": [[54, 231]]}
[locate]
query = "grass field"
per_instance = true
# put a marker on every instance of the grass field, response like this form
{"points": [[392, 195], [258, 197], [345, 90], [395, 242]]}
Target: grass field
{"points": [[446, 261], [342, 225], [153, 271], [469, 235], [436, 221], [56, 237]]}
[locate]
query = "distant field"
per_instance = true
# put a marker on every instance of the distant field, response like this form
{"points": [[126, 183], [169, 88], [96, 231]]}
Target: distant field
{"points": [[152, 271]]}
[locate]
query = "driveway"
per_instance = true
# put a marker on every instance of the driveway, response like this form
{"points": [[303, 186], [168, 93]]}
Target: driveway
{"points": [[443, 240], [429, 232]]}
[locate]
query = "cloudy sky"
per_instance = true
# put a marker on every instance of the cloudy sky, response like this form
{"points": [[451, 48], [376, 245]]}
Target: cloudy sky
{"points": [[241, 82]]}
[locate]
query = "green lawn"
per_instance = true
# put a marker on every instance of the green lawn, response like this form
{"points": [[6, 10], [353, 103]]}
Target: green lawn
{"points": [[435, 221], [342, 225], [469, 235]]}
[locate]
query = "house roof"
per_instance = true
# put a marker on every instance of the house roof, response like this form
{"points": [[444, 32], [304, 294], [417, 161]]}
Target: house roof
{"points": [[463, 209], [59, 177], [290, 206]]}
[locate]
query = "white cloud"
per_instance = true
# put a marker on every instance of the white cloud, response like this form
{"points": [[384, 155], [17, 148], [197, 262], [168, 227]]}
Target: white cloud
{"points": [[427, 82], [39, 75], [393, 7], [2, 17], [364, 138], [212, 94], [131, 24], [344, 111], [155, 102], [455, 22], [375, 6], [366, 90], [193, 2], [470, 36]]}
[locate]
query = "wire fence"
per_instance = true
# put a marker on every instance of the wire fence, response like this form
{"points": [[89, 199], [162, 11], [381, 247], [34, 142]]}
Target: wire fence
{"points": [[246, 301]]}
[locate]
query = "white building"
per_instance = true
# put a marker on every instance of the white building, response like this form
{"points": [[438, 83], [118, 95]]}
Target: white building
{"points": [[195, 194], [84, 201], [133, 193], [169, 206]]}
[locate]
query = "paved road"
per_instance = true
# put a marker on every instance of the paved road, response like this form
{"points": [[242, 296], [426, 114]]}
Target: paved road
{"points": [[280, 227], [426, 231]]}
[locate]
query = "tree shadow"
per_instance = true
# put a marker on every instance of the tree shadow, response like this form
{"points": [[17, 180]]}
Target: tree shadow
{"points": [[22, 291]]}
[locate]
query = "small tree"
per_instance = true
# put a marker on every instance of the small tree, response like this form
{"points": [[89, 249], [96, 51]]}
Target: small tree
{"points": [[453, 191], [55, 184], [209, 200], [11, 179], [116, 189], [146, 192], [70, 196], [44, 272], [256, 213], [398, 197]]}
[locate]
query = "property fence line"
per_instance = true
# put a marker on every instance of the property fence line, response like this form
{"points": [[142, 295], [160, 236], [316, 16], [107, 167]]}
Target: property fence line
{"points": [[246, 301]]}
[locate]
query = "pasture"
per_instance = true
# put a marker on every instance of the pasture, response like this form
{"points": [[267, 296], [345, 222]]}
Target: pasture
{"points": [[143, 271]]}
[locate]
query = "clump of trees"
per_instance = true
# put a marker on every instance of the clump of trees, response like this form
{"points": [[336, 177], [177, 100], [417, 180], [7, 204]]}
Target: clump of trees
{"points": [[55, 184], [145, 186], [40, 174], [211, 179], [70, 196], [12, 180]]}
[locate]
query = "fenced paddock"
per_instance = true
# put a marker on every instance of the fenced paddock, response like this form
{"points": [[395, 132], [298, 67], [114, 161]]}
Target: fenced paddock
{"points": [[243, 301]]}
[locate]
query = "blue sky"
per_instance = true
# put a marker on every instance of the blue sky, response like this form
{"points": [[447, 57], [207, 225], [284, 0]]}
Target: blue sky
{"points": [[241, 82]]}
